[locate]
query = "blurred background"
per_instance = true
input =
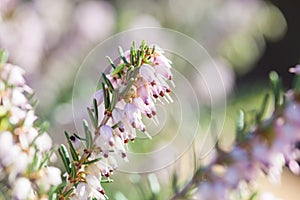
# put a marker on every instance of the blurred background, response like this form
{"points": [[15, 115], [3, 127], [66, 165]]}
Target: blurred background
{"points": [[246, 39]]}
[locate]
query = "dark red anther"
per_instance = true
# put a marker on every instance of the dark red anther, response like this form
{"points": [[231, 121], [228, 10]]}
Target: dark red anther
{"points": [[168, 90], [123, 155], [155, 96], [133, 124], [162, 94], [149, 115], [72, 138], [102, 192], [126, 141]]}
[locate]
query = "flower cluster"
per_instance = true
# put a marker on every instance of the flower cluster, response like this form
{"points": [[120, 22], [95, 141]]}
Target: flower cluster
{"points": [[24, 147], [147, 82], [128, 93], [267, 149]]}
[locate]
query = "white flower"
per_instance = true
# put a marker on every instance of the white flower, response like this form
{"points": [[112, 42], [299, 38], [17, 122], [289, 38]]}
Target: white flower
{"points": [[267, 196], [81, 192], [295, 69], [30, 118], [22, 189], [50, 176], [95, 188], [18, 98], [144, 92], [148, 73], [133, 114], [95, 170], [21, 162], [106, 133], [16, 149], [99, 96], [16, 76], [17, 114], [26, 136], [6, 142], [44, 142], [139, 104]]}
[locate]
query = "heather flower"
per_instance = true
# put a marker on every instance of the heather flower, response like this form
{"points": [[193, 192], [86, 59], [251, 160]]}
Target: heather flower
{"points": [[268, 148], [90, 189], [151, 81], [295, 69], [23, 149], [22, 189], [128, 94]]}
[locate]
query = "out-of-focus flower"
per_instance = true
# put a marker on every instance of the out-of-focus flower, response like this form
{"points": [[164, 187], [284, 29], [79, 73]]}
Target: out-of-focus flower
{"points": [[295, 69], [22, 189], [23, 148], [95, 19], [24, 35], [267, 196], [267, 149]]}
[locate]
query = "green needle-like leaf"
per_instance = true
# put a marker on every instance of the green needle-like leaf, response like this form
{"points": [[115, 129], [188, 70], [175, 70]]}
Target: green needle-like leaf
{"points": [[143, 45], [153, 49], [121, 53], [114, 100], [108, 83], [131, 55], [139, 58], [106, 97], [240, 125], [69, 192], [110, 62], [88, 135], [118, 69], [47, 158], [263, 109], [276, 86], [96, 110], [92, 118], [78, 137], [73, 170], [65, 158], [71, 147], [116, 125], [107, 181], [92, 161]]}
